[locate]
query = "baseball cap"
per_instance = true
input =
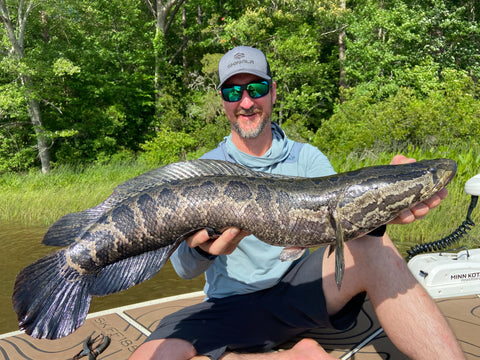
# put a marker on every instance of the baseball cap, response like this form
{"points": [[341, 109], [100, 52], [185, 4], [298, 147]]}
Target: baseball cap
{"points": [[243, 59]]}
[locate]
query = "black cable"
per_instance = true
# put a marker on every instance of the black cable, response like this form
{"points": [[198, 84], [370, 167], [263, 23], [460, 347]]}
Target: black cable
{"points": [[449, 240]]}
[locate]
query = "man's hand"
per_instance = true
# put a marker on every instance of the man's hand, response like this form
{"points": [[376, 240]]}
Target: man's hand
{"points": [[420, 210], [225, 244]]}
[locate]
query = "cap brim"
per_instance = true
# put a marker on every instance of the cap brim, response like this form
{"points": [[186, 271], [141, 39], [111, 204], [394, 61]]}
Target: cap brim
{"points": [[260, 74]]}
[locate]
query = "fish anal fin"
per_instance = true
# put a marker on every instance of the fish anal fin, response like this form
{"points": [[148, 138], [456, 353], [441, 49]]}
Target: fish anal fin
{"points": [[134, 270]]}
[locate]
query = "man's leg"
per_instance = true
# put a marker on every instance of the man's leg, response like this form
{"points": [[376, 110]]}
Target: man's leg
{"points": [[164, 349], [406, 312], [173, 349], [252, 322], [176, 349], [306, 349]]}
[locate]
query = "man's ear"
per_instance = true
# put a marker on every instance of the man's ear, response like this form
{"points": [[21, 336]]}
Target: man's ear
{"points": [[274, 92]]}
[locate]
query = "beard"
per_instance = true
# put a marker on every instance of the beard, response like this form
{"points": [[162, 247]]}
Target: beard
{"points": [[252, 132]]}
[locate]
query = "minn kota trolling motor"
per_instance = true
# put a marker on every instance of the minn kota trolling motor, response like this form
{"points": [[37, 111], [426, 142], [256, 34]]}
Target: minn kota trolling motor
{"points": [[448, 274]]}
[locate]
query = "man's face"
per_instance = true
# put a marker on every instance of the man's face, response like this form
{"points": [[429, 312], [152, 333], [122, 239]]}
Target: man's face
{"points": [[248, 116]]}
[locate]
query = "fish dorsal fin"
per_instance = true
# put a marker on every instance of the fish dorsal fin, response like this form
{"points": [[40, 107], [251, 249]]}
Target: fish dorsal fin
{"points": [[182, 170], [71, 227], [66, 230]]}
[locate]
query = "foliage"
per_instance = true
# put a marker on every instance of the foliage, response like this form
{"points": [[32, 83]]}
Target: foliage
{"points": [[385, 40], [109, 85], [167, 147], [445, 115]]}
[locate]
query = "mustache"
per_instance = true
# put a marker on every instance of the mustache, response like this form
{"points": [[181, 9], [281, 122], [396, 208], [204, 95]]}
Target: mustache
{"points": [[248, 112]]}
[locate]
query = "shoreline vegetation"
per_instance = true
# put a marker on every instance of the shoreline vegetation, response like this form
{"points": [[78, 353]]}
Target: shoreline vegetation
{"points": [[34, 199]]}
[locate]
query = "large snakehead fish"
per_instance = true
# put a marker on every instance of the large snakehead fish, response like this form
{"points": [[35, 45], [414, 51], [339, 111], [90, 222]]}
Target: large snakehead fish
{"points": [[126, 239]]}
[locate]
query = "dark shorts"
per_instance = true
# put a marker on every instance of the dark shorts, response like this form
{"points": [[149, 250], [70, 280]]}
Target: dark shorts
{"points": [[259, 321]]}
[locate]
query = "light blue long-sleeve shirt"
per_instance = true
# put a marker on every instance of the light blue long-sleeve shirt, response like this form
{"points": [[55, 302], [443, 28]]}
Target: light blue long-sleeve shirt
{"points": [[254, 265]]}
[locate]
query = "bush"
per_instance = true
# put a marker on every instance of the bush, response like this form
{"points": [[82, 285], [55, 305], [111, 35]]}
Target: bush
{"points": [[167, 147], [446, 116], [14, 155]]}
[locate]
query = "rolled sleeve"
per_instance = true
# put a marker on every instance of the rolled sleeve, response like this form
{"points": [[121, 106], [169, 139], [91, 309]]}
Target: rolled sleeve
{"points": [[189, 263]]}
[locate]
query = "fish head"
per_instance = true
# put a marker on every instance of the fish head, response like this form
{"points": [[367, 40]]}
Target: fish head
{"points": [[381, 193], [437, 174]]}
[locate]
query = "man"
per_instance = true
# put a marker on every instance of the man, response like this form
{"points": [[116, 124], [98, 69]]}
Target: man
{"points": [[255, 301]]}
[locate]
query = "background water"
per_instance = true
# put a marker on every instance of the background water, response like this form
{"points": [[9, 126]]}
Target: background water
{"points": [[21, 245]]}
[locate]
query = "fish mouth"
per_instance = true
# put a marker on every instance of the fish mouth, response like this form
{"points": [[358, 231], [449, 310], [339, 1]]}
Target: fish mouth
{"points": [[445, 172]]}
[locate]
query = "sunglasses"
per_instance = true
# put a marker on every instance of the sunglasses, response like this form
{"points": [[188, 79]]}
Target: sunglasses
{"points": [[255, 90]]}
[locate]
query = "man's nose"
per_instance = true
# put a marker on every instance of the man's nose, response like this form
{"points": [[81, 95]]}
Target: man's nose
{"points": [[246, 101]]}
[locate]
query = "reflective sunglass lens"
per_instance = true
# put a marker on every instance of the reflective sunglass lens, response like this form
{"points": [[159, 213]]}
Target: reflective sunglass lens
{"points": [[232, 93], [255, 90]]}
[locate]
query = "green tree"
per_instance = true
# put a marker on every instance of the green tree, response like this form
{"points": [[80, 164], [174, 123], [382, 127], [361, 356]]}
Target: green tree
{"points": [[452, 35], [107, 103], [97, 80], [164, 13], [446, 116], [385, 39], [15, 30]]}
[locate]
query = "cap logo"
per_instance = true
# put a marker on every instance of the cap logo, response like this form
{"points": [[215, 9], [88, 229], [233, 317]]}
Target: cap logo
{"points": [[240, 60]]}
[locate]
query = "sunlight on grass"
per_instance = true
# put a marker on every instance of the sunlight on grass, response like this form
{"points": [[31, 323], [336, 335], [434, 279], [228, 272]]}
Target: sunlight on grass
{"points": [[36, 199]]}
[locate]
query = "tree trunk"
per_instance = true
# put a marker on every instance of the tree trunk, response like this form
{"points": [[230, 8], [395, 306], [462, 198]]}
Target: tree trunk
{"points": [[16, 41], [42, 143], [341, 56], [185, 39], [163, 12]]}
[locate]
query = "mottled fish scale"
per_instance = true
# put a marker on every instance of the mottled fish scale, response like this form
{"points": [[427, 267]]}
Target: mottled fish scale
{"points": [[126, 239]]}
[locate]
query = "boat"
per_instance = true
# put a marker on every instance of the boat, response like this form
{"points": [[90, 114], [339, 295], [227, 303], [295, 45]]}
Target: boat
{"points": [[451, 278], [114, 334]]}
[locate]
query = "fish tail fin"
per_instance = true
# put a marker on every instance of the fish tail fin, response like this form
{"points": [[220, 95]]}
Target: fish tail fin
{"points": [[50, 298]]}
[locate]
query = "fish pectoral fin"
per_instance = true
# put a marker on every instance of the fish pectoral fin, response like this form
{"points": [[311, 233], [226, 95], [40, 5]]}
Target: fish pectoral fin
{"points": [[292, 253], [212, 233], [339, 246], [131, 271], [339, 261]]}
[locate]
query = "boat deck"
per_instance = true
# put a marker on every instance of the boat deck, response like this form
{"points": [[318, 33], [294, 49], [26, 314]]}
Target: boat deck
{"points": [[127, 327]]}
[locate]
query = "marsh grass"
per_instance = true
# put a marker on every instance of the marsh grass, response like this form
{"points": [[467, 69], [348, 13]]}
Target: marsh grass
{"points": [[36, 199]]}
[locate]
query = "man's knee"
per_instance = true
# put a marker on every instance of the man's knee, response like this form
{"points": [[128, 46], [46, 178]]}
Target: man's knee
{"points": [[368, 248], [174, 349]]}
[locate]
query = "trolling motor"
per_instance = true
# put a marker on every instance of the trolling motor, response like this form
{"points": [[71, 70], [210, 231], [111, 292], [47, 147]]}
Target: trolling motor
{"points": [[448, 274]]}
